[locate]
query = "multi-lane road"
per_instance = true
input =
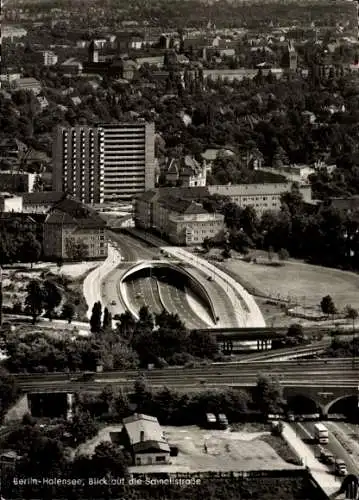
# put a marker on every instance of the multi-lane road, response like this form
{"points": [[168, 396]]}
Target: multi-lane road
{"points": [[338, 436], [145, 291]]}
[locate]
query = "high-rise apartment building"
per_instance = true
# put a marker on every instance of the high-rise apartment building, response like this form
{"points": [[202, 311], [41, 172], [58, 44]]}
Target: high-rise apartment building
{"points": [[105, 163], [129, 159], [78, 163]]}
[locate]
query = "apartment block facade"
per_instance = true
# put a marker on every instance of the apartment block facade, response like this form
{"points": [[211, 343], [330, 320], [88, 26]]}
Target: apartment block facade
{"points": [[129, 159], [182, 221], [104, 163], [78, 163], [261, 197]]}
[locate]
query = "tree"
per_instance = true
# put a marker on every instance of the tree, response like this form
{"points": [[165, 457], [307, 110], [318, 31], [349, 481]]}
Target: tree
{"points": [[30, 249], [268, 395], [352, 314], [145, 318], [283, 254], [108, 459], [95, 320], [52, 297], [295, 332], [127, 324], [76, 250], [34, 299], [107, 320], [68, 312], [82, 427], [327, 305]]}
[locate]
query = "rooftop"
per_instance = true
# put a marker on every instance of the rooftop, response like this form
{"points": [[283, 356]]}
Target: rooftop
{"points": [[72, 212], [144, 431], [179, 205], [42, 198]]}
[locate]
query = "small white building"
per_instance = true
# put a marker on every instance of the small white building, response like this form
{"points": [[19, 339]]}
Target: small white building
{"points": [[144, 437], [50, 58]]}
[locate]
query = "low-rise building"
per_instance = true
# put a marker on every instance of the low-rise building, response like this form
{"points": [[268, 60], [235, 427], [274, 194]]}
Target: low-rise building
{"points": [[41, 202], [9, 203], [73, 231], [186, 172], [29, 84], [72, 66], [12, 32], [144, 438], [17, 182], [50, 58], [261, 197], [293, 173], [180, 219]]}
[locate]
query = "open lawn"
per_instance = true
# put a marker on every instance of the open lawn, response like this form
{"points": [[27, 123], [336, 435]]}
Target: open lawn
{"points": [[302, 283]]}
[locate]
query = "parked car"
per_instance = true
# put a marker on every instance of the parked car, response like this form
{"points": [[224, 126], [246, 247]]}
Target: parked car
{"points": [[222, 421]]}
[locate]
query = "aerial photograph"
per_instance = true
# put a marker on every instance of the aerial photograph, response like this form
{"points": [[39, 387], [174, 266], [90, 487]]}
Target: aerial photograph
{"points": [[179, 250]]}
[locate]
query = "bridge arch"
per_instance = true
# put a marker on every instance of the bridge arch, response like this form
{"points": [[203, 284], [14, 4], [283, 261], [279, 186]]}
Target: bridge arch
{"points": [[344, 405], [199, 288], [302, 404]]}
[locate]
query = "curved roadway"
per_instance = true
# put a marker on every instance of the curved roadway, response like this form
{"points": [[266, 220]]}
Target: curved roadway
{"points": [[144, 292], [175, 301]]}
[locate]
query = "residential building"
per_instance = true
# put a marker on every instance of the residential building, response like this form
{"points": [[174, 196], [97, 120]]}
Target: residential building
{"points": [[12, 32], [11, 150], [17, 182], [186, 172], [143, 436], [78, 166], [50, 58], [129, 159], [30, 84], [183, 221], [105, 163], [72, 66], [239, 74], [261, 197], [73, 231], [23, 223], [9, 203], [210, 155], [345, 204], [9, 76], [40, 203], [292, 57], [293, 173]]}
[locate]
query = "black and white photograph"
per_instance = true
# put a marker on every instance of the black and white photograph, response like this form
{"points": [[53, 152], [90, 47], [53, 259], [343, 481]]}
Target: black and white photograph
{"points": [[179, 250]]}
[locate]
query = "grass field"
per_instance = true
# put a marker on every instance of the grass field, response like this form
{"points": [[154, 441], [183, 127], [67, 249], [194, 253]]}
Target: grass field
{"points": [[299, 282]]}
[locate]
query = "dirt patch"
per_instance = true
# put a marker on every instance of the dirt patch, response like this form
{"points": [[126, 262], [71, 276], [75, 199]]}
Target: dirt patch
{"points": [[201, 450]]}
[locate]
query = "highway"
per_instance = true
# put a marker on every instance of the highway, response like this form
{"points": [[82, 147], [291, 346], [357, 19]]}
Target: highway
{"points": [[174, 298], [144, 292], [306, 431]]}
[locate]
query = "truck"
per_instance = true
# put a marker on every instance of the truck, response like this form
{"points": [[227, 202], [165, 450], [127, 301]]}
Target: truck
{"points": [[321, 434]]}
